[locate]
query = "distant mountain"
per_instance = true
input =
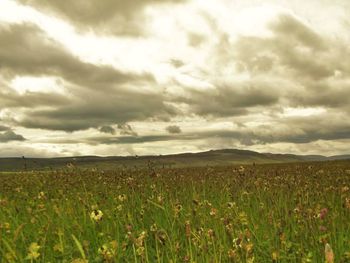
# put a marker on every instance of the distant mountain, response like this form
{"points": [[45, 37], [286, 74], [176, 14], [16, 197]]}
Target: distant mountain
{"points": [[212, 157], [339, 157]]}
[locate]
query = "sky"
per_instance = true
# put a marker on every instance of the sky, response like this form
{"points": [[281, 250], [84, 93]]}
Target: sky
{"points": [[141, 77]]}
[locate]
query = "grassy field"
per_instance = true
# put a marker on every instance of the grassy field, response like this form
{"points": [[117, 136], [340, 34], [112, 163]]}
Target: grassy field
{"points": [[262, 213]]}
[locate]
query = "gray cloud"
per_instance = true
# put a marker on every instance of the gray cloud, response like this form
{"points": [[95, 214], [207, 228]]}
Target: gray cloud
{"points": [[177, 63], [104, 17], [9, 135], [97, 109], [107, 129], [248, 137], [231, 100], [295, 66], [173, 129], [296, 32], [27, 50], [294, 50], [12, 99], [4, 128], [96, 95], [126, 129]]}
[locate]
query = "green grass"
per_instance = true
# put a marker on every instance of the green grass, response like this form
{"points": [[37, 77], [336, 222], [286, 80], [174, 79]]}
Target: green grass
{"points": [[266, 213]]}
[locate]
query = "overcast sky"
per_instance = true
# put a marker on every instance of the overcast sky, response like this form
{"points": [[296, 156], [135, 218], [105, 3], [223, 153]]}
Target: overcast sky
{"points": [[125, 77]]}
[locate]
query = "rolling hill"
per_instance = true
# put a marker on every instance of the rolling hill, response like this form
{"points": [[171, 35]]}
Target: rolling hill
{"points": [[212, 157]]}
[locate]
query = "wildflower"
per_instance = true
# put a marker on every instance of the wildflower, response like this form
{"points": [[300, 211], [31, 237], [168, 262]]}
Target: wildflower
{"points": [[207, 203], [296, 210], [329, 255], [188, 229], [345, 189], [186, 258], [96, 215], [41, 195], [307, 258], [161, 236], [5, 225], [177, 209], [3, 202], [347, 203], [108, 251], [231, 253], [211, 233], [33, 251], [274, 256], [243, 218], [323, 213], [241, 169], [58, 248], [213, 211], [140, 251], [154, 227], [10, 257], [122, 197], [323, 228], [160, 199], [141, 239]]}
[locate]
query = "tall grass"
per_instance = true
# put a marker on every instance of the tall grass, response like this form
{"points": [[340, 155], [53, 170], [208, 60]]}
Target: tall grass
{"points": [[263, 213]]}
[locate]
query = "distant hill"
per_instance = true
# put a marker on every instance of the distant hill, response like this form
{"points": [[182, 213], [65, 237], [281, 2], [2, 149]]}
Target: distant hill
{"points": [[213, 157]]}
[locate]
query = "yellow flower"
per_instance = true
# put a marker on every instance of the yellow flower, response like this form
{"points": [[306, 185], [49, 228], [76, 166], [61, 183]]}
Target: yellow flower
{"points": [[41, 195], [108, 251], [96, 215], [140, 251], [122, 197], [274, 256], [105, 252], [33, 251]]}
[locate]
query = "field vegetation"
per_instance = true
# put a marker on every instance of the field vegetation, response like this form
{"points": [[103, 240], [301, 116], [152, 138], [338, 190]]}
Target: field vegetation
{"points": [[254, 213]]}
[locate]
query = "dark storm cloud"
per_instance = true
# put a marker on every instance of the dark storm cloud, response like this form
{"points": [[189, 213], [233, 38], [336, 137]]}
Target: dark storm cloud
{"points": [[129, 139], [284, 54], [27, 50], [230, 101], [313, 67], [126, 129], [96, 95], [287, 130], [11, 99], [101, 16], [173, 129], [4, 128], [9, 135], [107, 129], [294, 66], [329, 95], [97, 109], [297, 130]]}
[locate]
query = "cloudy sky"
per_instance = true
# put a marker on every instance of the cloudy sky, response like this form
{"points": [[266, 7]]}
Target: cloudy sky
{"points": [[119, 77]]}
